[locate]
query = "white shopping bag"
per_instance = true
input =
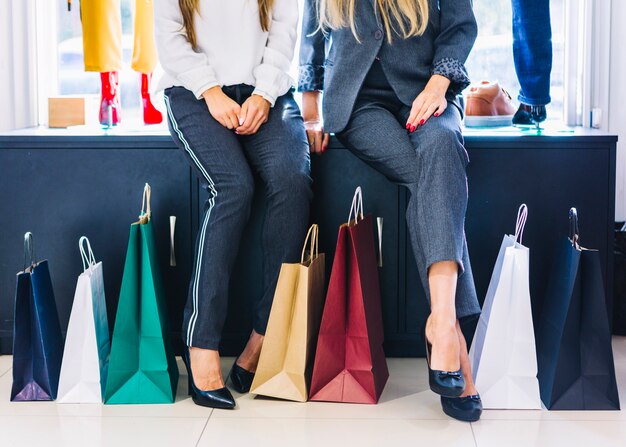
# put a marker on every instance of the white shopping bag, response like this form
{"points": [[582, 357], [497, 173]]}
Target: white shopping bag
{"points": [[503, 353], [87, 344]]}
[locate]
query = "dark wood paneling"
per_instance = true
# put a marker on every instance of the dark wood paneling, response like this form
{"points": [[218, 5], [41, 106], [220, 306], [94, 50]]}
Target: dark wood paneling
{"points": [[61, 185], [62, 194]]}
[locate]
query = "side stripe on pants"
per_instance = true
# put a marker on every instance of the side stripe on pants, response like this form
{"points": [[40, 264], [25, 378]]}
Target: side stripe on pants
{"points": [[196, 278]]}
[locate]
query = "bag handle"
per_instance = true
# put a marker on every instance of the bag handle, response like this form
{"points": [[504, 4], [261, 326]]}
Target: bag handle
{"points": [[146, 212], [574, 233], [357, 204], [312, 237], [89, 260], [522, 216], [29, 250]]}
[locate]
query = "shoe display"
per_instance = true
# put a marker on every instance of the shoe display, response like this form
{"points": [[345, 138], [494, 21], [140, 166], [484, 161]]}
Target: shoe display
{"points": [[151, 114], [220, 398], [241, 378], [465, 409], [530, 115], [110, 109], [488, 105]]}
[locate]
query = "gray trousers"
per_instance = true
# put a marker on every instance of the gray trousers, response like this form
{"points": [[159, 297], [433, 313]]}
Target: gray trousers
{"points": [[431, 163], [224, 162]]}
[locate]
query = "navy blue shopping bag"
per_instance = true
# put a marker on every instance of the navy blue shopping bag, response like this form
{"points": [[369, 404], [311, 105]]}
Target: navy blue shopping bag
{"points": [[574, 353], [37, 339]]}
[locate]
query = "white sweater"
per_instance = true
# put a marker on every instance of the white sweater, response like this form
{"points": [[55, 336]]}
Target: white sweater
{"points": [[232, 47]]}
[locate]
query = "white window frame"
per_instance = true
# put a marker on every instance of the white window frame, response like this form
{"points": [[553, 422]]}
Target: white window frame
{"points": [[587, 63], [46, 51]]}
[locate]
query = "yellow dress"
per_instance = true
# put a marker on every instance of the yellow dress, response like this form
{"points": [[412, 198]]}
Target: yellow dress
{"points": [[102, 36]]}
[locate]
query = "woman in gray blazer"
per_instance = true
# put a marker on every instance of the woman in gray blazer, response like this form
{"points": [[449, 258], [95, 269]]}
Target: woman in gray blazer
{"points": [[390, 72]]}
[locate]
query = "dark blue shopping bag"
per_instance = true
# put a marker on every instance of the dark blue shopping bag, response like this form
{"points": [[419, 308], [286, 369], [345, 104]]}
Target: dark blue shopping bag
{"points": [[574, 353], [37, 339]]}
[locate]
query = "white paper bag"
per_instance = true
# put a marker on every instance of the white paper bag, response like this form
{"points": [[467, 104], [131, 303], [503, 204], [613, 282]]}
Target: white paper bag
{"points": [[503, 353], [87, 344]]}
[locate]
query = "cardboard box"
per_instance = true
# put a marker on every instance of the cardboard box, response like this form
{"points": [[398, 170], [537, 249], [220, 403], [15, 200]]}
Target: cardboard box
{"points": [[65, 111]]}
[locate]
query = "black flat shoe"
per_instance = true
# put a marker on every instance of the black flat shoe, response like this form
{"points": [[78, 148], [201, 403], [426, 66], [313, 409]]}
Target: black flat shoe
{"points": [[241, 378], [220, 398], [530, 115], [465, 409], [444, 383]]}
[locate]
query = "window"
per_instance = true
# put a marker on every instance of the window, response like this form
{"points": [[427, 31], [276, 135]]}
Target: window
{"points": [[72, 78], [492, 56]]}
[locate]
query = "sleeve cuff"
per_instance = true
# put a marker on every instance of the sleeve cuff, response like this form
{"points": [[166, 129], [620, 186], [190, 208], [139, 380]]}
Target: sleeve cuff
{"points": [[198, 80], [455, 71], [198, 91], [311, 78], [265, 94], [271, 82]]}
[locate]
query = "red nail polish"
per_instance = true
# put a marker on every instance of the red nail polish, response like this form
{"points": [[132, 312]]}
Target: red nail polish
{"points": [[413, 128], [408, 126], [436, 114], [422, 122], [324, 149]]}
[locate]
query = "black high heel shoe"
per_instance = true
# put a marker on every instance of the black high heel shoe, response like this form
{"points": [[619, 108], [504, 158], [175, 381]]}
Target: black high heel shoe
{"points": [[530, 116], [444, 383], [241, 378], [466, 409], [220, 398]]}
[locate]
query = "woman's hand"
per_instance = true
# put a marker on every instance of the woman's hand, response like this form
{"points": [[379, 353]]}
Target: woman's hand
{"points": [[431, 101], [222, 108], [254, 112], [318, 140]]}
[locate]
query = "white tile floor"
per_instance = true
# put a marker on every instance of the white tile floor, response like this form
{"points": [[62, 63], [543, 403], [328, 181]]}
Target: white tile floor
{"points": [[408, 414]]}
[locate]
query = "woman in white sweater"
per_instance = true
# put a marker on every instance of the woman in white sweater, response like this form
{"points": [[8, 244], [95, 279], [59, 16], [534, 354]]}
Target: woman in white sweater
{"points": [[231, 111]]}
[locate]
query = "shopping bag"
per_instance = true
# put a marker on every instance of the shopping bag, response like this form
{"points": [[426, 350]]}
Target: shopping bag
{"points": [[87, 343], [350, 364], [503, 352], [576, 369], [37, 339], [619, 281], [286, 361], [142, 367]]}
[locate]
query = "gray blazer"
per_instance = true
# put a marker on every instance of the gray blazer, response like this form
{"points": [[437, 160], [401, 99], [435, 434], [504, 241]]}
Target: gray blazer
{"points": [[337, 63]]}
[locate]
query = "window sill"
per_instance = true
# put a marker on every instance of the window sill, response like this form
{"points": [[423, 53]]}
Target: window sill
{"points": [[159, 137]]}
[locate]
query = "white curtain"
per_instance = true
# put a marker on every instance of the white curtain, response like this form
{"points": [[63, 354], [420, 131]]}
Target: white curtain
{"points": [[18, 106]]}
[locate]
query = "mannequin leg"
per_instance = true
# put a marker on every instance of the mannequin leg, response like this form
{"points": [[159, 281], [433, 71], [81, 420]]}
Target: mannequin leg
{"points": [[150, 113], [102, 45], [110, 108], [145, 56]]}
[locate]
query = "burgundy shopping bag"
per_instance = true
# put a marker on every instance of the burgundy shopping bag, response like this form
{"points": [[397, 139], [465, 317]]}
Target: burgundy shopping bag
{"points": [[350, 364]]}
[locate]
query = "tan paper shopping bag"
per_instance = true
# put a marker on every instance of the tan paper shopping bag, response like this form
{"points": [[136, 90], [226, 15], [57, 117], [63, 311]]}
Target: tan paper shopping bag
{"points": [[286, 361]]}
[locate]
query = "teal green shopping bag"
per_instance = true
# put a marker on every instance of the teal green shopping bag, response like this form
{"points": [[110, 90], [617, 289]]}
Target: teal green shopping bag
{"points": [[142, 367]]}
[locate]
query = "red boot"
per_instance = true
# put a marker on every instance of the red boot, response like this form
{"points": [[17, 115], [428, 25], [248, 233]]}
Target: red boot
{"points": [[150, 113], [110, 109]]}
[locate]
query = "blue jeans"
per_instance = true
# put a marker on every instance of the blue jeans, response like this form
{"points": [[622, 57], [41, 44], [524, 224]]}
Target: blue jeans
{"points": [[431, 163], [224, 162], [532, 50]]}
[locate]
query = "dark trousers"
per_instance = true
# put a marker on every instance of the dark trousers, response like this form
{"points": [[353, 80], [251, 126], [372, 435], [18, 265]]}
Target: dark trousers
{"points": [[224, 163], [431, 163]]}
